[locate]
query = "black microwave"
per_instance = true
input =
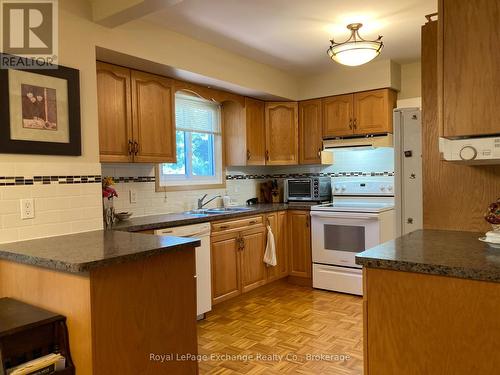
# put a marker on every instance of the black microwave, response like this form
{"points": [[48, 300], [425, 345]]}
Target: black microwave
{"points": [[310, 189]]}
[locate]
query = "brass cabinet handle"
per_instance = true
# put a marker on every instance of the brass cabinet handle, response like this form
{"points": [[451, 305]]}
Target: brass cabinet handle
{"points": [[267, 154], [130, 147], [224, 226], [136, 148], [240, 242], [350, 123], [248, 154], [319, 152], [354, 123], [252, 222]]}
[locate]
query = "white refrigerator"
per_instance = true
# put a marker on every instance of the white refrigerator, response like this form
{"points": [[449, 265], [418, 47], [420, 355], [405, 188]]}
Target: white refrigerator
{"points": [[408, 169]]}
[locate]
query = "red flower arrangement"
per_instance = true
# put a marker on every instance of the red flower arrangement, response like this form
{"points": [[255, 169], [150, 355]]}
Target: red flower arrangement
{"points": [[492, 216], [107, 190]]}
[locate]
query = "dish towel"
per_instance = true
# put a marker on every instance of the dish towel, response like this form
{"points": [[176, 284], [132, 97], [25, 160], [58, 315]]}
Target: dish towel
{"points": [[270, 254]]}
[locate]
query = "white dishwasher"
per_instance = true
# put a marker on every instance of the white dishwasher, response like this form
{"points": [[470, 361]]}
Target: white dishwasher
{"points": [[203, 269]]}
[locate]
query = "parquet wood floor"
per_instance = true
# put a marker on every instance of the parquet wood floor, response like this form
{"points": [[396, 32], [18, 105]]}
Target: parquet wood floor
{"points": [[283, 320]]}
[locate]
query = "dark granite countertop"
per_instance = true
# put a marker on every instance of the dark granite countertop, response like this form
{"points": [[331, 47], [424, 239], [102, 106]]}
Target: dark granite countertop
{"points": [[80, 252], [437, 252], [136, 224]]}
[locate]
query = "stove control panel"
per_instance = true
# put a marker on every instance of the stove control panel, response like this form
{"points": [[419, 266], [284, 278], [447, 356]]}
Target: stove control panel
{"points": [[362, 187]]}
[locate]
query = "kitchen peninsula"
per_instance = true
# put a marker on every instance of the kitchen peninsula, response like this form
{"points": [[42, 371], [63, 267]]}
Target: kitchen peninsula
{"points": [[431, 305], [126, 296]]}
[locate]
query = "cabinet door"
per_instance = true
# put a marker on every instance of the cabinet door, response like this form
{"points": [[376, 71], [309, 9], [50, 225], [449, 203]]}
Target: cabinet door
{"points": [[310, 131], [373, 111], [282, 244], [300, 243], [255, 132], [114, 113], [469, 67], [338, 116], [282, 130], [278, 222], [225, 267], [153, 118], [234, 133], [253, 268]]}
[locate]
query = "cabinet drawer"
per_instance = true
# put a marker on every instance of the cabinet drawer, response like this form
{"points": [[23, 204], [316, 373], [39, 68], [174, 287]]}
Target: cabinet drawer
{"points": [[246, 222]]}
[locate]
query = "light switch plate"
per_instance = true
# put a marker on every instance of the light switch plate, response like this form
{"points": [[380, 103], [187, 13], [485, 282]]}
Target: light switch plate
{"points": [[27, 209], [133, 196]]}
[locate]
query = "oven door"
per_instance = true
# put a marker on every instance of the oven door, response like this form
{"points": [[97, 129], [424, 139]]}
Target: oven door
{"points": [[299, 189], [338, 236]]}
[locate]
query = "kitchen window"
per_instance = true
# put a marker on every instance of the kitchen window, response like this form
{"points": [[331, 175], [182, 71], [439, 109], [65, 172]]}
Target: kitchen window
{"points": [[199, 146]]}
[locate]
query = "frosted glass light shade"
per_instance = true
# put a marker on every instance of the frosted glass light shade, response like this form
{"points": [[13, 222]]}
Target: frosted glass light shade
{"points": [[355, 53]]}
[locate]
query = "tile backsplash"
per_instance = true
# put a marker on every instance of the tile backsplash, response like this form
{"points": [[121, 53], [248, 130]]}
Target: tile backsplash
{"points": [[64, 203], [242, 183], [141, 179]]}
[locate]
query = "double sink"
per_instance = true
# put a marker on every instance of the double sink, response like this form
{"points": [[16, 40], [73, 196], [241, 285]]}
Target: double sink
{"points": [[218, 211]]}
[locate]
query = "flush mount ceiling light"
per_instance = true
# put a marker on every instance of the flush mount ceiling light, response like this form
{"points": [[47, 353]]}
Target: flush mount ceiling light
{"points": [[355, 50]]}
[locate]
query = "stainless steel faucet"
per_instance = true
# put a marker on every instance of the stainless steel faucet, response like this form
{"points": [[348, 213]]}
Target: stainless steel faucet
{"points": [[201, 204]]}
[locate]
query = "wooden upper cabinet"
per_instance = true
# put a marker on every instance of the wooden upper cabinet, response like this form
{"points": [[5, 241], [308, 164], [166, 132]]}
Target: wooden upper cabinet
{"points": [[338, 116], [282, 132], [136, 116], [253, 268], [234, 133], [255, 132], [299, 230], [114, 113], [373, 111], [244, 132], [153, 118], [310, 131], [469, 67]]}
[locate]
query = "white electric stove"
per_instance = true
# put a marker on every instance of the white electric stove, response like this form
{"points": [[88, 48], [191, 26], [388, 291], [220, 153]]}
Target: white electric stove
{"points": [[360, 216]]}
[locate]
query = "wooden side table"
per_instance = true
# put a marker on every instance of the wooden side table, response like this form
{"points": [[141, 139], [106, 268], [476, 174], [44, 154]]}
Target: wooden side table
{"points": [[28, 332]]}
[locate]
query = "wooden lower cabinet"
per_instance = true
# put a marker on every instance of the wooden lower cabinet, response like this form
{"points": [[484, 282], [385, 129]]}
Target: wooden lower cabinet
{"points": [[278, 222], [225, 267], [253, 269], [299, 236], [238, 254], [237, 262]]}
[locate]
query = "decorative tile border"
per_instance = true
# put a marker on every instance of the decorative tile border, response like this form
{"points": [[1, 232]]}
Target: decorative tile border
{"points": [[134, 179], [49, 180], [264, 176], [299, 175]]}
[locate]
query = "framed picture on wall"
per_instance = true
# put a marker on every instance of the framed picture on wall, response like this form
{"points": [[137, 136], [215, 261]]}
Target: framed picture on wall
{"points": [[40, 111]]}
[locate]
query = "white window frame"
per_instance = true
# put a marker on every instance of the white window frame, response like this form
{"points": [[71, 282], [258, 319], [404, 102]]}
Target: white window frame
{"points": [[188, 181]]}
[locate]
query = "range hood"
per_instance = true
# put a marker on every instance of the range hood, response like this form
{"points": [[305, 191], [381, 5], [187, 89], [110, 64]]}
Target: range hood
{"points": [[370, 141]]}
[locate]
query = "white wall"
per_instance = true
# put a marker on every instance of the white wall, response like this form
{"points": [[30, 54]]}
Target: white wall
{"points": [[410, 81], [345, 79]]}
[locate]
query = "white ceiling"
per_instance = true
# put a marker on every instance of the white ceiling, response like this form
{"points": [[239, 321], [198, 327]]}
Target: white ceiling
{"points": [[293, 35]]}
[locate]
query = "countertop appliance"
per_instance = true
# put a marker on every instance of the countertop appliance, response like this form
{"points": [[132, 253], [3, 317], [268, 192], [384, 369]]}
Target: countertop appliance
{"points": [[360, 216], [203, 268], [479, 150], [308, 189]]}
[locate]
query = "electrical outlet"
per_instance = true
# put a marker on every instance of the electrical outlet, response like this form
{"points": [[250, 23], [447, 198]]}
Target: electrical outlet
{"points": [[27, 209], [133, 196]]}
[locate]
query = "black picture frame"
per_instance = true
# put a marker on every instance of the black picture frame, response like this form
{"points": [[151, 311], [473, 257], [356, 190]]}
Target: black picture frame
{"points": [[12, 146]]}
